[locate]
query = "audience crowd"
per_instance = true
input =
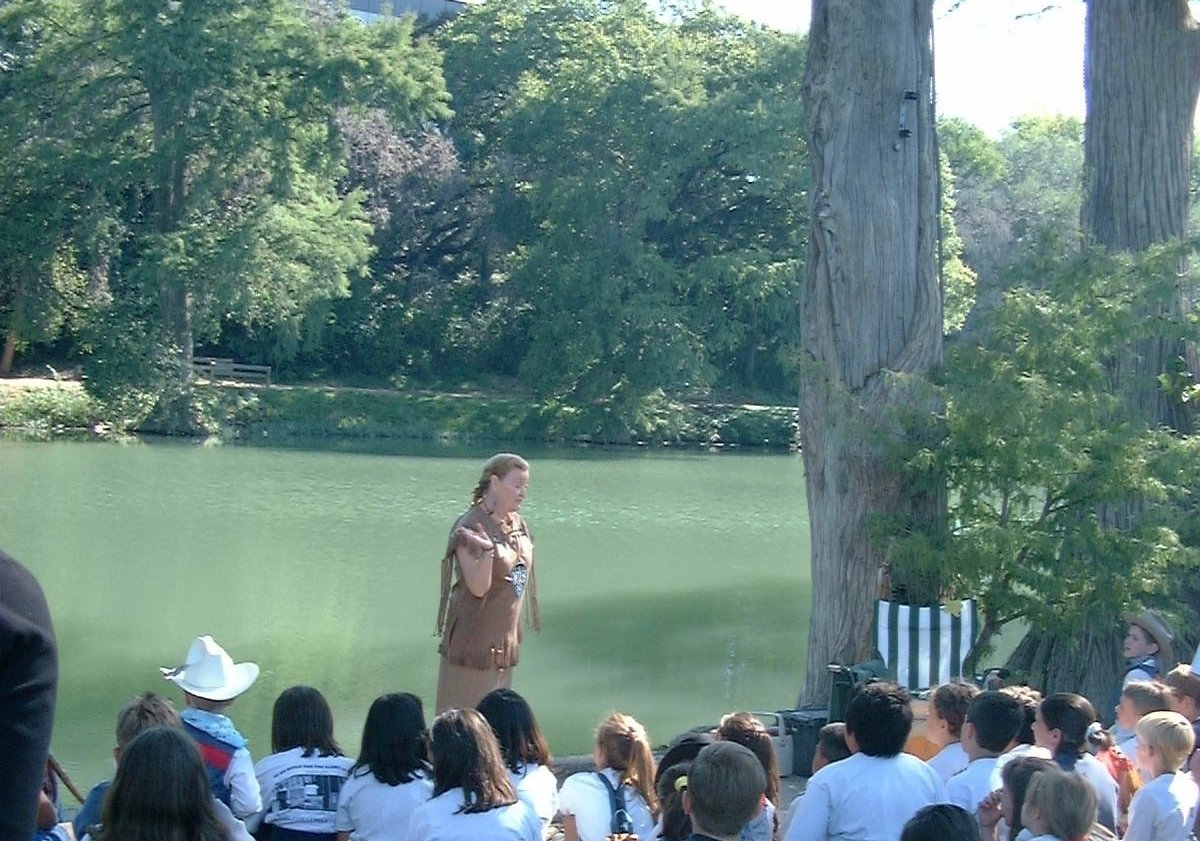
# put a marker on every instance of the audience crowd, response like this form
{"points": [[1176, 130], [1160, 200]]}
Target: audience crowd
{"points": [[1008, 765]]}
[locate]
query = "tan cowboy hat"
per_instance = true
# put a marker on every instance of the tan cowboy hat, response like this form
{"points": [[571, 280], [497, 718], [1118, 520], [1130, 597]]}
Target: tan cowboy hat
{"points": [[1159, 631], [210, 673]]}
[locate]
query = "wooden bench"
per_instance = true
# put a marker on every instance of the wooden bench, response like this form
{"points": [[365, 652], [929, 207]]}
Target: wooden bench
{"points": [[213, 368]]}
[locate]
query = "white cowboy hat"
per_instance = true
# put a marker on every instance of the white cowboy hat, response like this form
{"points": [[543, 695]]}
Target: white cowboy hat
{"points": [[210, 673]]}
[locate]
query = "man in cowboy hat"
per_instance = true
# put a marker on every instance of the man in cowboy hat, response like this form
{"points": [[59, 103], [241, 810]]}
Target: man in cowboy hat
{"points": [[211, 681]]}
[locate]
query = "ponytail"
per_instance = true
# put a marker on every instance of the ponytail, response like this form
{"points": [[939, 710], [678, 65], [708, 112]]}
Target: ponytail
{"points": [[625, 748]]}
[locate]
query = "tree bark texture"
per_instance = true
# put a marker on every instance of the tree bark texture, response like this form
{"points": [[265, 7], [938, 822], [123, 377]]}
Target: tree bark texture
{"points": [[871, 307], [1142, 78]]}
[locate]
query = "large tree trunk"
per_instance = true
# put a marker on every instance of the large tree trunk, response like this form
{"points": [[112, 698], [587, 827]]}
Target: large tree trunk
{"points": [[1142, 78], [871, 307]]}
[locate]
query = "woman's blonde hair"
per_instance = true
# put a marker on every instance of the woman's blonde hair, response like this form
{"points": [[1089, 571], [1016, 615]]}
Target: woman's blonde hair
{"points": [[499, 466], [1171, 736], [625, 748], [1065, 801]]}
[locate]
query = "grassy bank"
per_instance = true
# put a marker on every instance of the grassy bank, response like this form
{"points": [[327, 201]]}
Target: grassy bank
{"points": [[46, 407]]}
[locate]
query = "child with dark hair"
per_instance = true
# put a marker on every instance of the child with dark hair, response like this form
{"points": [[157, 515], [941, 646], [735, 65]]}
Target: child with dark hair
{"points": [[948, 707], [874, 792], [1000, 811], [747, 731], [526, 753], [160, 792], [473, 797], [1063, 725], [391, 777], [725, 788], [303, 777], [674, 824], [941, 822], [992, 722]]}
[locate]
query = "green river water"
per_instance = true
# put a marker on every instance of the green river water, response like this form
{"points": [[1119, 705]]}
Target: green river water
{"points": [[674, 585]]}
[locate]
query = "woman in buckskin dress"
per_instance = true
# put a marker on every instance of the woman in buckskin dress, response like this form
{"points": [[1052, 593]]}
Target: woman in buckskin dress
{"points": [[487, 573]]}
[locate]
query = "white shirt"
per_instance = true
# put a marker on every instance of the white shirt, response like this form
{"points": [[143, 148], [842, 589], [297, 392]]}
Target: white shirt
{"points": [[245, 798], [300, 792], [373, 811], [439, 820], [585, 797], [864, 798], [1092, 770], [973, 783], [1164, 809], [537, 786], [1017, 752], [949, 760]]}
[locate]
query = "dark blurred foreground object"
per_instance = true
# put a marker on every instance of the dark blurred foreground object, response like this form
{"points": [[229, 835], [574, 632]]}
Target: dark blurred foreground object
{"points": [[28, 681]]}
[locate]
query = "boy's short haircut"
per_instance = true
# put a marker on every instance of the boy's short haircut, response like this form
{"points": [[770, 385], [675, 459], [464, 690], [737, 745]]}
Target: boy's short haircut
{"points": [[1184, 682], [941, 822], [142, 712], [952, 700], [1147, 697], [832, 740], [997, 719], [725, 788], [880, 718], [1028, 698], [1170, 734]]}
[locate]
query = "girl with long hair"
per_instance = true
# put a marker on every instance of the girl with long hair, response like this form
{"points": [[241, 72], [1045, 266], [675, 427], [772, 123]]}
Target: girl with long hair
{"points": [[472, 795], [1063, 725], [1003, 808], [525, 751], [391, 777], [626, 765], [160, 793], [302, 778]]}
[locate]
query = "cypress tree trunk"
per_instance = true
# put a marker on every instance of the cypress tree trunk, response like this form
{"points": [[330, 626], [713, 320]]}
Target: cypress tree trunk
{"points": [[871, 308], [1142, 78]]}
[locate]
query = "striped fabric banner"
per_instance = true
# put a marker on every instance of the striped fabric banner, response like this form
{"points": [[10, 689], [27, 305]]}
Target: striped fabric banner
{"points": [[924, 646]]}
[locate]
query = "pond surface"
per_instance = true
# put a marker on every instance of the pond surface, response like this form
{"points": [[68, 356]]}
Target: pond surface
{"points": [[674, 586]]}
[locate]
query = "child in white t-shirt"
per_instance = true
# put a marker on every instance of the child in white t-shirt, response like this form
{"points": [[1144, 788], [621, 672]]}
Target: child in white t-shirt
{"points": [[525, 750], [1164, 809], [948, 707], [1059, 806], [624, 758]]}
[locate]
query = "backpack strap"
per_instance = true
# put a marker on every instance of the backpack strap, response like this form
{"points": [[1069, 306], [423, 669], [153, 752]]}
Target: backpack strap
{"points": [[616, 798]]}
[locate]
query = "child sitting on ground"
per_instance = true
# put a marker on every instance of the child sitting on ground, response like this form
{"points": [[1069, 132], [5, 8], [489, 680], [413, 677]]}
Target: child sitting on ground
{"points": [[947, 711], [724, 789], [992, 722], [1165, 808], [831, 747], [211, 682], [1059, 806]]}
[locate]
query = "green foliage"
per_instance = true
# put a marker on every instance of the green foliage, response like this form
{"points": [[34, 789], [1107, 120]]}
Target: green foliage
{"points": [[1037, 446]]}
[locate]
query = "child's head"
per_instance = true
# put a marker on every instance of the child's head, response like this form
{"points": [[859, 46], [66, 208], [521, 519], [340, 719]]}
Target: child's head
{"points": [[394, 740], [302, 719], [1015, 777], [160, 790], [725, 787], [947, 711], [466, 755], [1062, 723], [1029, 699], [1148, 635], [749, 732], [879, 719], [209, 678], [1059, 803], [831, 746], [671, 783], [993, 719], [516, 728], [622, 745], [1140, 697], [139, 714], [1165, 739], [1185, 691], [941, 822]]}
